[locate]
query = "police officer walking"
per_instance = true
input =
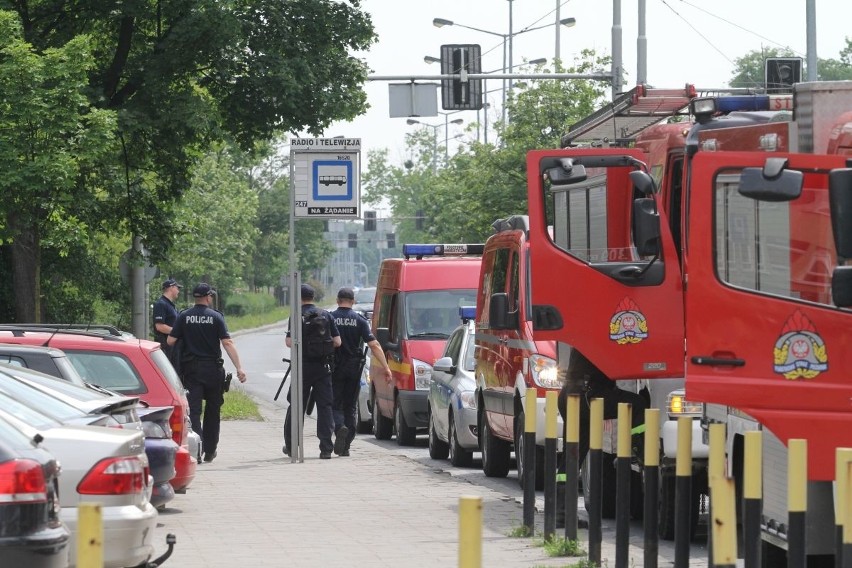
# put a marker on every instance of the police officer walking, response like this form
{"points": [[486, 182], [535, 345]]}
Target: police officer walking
{"points": [[349, 362], [165, 314], [316, 380], [203, 333]]}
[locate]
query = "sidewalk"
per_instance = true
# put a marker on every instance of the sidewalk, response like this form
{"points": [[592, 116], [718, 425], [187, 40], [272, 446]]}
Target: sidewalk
{"points": [[253, 507]]}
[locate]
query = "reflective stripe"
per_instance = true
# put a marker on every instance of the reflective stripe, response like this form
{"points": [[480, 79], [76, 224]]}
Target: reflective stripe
{"points": [[404, 368]]}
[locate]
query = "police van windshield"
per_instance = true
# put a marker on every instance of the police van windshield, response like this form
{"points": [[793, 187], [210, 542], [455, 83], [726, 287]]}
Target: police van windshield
{"points": [[434, 314]]}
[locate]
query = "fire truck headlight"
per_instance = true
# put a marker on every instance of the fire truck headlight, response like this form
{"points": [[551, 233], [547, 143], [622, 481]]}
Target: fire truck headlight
{"points": [[677, 405], [544, 372], [422, 374]]}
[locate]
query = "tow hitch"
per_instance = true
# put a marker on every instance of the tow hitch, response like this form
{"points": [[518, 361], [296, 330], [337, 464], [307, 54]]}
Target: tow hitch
{"points": [[170, 541]]}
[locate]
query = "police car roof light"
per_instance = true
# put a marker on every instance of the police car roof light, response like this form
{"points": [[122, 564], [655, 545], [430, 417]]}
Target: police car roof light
{"points": [[421, 250], [467, 313]]}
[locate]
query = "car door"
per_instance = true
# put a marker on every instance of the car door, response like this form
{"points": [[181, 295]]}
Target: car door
{"points": [[762, 333], [441, 386]]}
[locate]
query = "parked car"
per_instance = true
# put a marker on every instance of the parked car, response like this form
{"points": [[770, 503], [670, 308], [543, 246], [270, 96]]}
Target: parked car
{"points": [[364, 298], [31, 532], [153, 422], [364, 417], [122, 363], [103, 465], [452, 397]]}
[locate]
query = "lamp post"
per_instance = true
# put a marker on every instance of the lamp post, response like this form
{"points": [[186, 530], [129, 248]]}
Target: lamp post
{"points": [[506, 39], [435, 128]]}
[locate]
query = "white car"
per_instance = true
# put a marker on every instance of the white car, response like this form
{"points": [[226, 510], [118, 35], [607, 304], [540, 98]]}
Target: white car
{"points": [[452, 400], [103, 465]]}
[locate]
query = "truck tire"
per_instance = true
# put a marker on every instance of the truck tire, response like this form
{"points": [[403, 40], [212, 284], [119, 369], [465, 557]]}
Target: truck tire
{"points": [[496, 453], [459, 456], [438, 449], [405, 434], [607, 485], [520, 420], [382, 426]]}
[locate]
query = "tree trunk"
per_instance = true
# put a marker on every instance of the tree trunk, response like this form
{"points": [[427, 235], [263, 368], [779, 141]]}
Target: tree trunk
{"points": [[26, 275]]}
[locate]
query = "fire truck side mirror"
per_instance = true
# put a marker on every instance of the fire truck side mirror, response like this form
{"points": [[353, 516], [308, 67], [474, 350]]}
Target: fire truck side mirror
{"points": [[566, 173], [499, 316], [772, 182], [646, 227], [840, 204], [643, 182]]}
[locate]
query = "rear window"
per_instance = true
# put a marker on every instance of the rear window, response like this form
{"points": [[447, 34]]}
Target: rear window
{"points": [[107, 369], [166, 368]]}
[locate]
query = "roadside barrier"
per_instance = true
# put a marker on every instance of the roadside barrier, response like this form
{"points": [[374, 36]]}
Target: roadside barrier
{"points": [[572, 465], [651, 466], [470, 532], [622, 486], [550, 411], [90, 536], [530, 404]]}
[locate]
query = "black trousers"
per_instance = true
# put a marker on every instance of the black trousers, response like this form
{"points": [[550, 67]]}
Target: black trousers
{"points": [[317, 384], [204, 381], [346, 384]]}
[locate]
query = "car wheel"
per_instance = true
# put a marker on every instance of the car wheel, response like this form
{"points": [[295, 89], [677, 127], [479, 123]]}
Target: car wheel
{"points": [[459, 456], [405, 435], [496, 453], [382, 427], [365, 425], [520, 422], [607, 485], [438, 449]]}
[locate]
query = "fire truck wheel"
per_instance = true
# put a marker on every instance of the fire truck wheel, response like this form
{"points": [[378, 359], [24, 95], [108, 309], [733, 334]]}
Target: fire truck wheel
{"points": [[438, 449], [405, 434], [382, 426], [496, 453]]}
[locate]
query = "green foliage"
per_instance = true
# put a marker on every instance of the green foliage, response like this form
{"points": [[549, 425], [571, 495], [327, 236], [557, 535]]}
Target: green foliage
{"points": [[242, 304], [561, 546], [520, 531], [239, 405], [253, 321]]}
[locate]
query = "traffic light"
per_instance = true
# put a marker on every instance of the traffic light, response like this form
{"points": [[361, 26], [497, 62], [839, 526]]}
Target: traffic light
{"points": [[369, 220], [391, 239], [353, 240], [781, 73], [455, 93]]}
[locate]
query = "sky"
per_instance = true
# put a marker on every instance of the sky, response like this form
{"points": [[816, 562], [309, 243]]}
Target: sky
{"points": [[687, 42]]}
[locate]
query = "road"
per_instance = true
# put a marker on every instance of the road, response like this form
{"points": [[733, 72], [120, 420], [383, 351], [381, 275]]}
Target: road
{"points": [[261, 352]]}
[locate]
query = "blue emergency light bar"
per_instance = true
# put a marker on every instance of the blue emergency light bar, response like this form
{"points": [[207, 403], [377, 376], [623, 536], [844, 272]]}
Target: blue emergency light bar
{"points": [[421, 250], [467, 313], [734, 103]]}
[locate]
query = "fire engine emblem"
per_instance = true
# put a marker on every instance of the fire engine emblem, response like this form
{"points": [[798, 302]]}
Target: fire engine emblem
{"points": [[628, 324], [800, 351]]}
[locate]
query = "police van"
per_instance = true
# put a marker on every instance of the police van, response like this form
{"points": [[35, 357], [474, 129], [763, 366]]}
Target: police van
{"points": [[416, 308]]}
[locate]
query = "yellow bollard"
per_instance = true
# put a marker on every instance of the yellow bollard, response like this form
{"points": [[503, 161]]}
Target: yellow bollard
{"points": [[550, 502], [842, 460], [90, 536], [797, 502], [470, 532], [528, 455], [550, 413], [715, 472], [752, 498], [724, 523], [651, 483]]}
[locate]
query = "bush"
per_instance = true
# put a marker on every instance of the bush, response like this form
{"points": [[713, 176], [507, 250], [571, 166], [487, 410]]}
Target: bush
{"points": [[249, 304]]}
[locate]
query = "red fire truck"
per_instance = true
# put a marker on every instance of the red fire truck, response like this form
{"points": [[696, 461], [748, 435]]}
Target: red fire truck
{"points": [[722, 276]]}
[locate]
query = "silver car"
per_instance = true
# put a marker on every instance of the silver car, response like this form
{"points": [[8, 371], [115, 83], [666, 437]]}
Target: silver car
{"points": [[452, 400], [364, 416], [103, 465]]}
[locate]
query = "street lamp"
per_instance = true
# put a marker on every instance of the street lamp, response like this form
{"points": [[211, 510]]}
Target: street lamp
{"points": [[435, 128]]}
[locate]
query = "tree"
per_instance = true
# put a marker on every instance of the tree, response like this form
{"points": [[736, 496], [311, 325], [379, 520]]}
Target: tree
{"points": [[185, 75], [749, 70], [51, 144]]}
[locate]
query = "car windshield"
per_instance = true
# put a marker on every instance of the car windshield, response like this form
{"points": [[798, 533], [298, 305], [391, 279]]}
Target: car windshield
{"points": [[435, 313], [365, 296]]}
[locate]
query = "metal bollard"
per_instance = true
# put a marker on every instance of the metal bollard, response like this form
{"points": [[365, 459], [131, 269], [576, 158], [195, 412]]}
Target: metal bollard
{"points": [[724, 523], [797, 490], [550, 464], [847, 519], [622, 486], [90, 536], [752, 498], [470, 532], [572, 464], [651, 467], [843, 457], [715, 471], [595, 458], [530, 409], [683, 492]]}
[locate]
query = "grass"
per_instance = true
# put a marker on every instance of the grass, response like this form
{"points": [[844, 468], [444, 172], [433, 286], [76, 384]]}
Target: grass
{"points": [[239, 406], [252, 320], [521, 531], [561, 546]]}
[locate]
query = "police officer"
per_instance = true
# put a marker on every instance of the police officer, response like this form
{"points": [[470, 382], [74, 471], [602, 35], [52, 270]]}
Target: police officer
{"points": [[203, 333], [316, 382], [349, 362], [165, 314]]}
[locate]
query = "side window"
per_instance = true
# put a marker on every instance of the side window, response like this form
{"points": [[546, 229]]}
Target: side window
{"points": [[109, 370], [454, 345], [387, 314], [13, 361], [775, 248], [514, 277]]}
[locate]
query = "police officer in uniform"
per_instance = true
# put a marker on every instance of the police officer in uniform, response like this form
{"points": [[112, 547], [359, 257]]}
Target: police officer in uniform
{"points": [[165, 314], [349, 362], [204, 333], [316, 383]]}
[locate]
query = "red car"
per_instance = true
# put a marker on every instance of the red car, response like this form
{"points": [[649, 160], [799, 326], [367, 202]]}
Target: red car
{"points": [[124, 364]]}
